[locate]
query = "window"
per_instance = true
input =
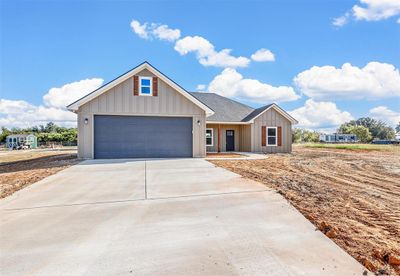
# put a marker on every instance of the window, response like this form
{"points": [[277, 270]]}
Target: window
{"points": [[145, 86], [209, 137], [271, 136]]}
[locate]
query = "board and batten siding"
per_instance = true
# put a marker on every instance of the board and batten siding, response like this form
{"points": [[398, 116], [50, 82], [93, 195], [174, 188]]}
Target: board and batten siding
{"points": [[242, 137], [271, 118], [120, 100]]}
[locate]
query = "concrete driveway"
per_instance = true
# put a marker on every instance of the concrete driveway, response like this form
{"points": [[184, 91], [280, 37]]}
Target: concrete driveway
{"points": [[178, 217]]}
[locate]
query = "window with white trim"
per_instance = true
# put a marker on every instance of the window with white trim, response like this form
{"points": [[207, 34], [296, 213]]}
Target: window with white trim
{"points": [[145, 86], [209, 137], [272, 136]]}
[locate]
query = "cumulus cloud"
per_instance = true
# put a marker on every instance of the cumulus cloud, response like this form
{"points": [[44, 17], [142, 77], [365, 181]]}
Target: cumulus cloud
{"points": [[154, 30], [203, 49], [263, 55], [370, 10], [320, 115], [374, 81], [19, 113], [231, 84], [60, 97], [385, 114], [206, 54]]}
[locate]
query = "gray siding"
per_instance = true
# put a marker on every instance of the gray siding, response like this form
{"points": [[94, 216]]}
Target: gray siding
{"points": [[119, 100], [271, 118]]}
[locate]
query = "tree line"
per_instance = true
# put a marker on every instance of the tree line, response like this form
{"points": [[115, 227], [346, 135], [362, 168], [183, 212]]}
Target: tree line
{"points": [[48, 133], [367, 129]]}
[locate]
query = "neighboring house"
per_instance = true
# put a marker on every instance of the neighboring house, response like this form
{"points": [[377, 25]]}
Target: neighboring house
{"points": [[397, 136], [338, 138], [15, 141], [143, 113]]}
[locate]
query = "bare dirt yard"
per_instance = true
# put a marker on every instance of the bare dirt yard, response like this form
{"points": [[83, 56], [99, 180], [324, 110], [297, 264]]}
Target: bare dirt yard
{"points": [[19, 169], [353, 196]]}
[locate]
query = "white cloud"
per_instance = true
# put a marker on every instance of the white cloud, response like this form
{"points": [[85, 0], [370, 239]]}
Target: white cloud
{"points": [[204, 49], [386, 115], [374, 10], [341, 20], [60, 97], [164, 33], [231, 84], [374, 81], [153, 30], [206, 54], [201, 87], [370, 10], [18, 113], [139, 29], [263, 55], [320, 115]]}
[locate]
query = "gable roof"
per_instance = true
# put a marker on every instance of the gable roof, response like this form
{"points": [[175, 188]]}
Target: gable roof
{"points": [[145, 65], [230, 111], [226, 110]]}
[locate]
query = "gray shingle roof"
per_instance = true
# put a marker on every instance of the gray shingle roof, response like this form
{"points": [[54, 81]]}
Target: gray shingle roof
{"points": [[256, 112], [227, 110]]}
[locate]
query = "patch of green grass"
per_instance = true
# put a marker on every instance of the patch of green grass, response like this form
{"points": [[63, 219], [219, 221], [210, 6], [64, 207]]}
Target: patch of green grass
{"points": [[351, 146]]}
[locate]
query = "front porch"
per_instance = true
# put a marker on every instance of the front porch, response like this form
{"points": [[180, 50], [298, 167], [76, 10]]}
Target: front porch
{"points": [[228, 137]]}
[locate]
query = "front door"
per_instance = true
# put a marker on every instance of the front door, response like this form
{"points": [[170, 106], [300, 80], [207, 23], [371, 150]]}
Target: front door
{"points": [[230, 140]]}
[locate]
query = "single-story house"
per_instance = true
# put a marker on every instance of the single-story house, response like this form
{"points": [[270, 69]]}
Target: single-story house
{"points": [[143, 113]]}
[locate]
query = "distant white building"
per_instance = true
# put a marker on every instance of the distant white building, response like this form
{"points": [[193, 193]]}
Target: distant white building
{"points": [[338, 138], [397, 137]]}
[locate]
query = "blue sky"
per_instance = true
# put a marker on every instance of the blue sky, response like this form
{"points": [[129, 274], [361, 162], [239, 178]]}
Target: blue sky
{"points": [[50, 44]]}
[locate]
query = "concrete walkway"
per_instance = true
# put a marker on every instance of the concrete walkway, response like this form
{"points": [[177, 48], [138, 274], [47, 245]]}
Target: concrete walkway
{"points": [[172, 217]]}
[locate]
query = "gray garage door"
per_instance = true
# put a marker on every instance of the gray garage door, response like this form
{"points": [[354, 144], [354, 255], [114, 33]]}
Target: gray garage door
{"points": [[142, 137]]}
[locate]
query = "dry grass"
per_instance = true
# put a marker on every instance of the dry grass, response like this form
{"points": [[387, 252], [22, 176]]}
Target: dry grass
{"points": [[7, 156], [19, 169], [353, 196]]}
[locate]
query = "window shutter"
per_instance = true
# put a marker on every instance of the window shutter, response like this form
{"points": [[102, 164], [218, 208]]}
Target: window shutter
{"points": [[279, 136], [155, 86], [135, 86], [263, 136]]}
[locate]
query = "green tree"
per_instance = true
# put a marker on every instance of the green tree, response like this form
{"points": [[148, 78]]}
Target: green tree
{"points": [[305, 136], [362, 132], [50, 127], [398, 127], [4, 133], [377, 129]]}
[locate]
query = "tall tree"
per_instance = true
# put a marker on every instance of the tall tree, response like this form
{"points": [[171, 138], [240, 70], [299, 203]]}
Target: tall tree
{"points": [[378, 129], [398, 127]]}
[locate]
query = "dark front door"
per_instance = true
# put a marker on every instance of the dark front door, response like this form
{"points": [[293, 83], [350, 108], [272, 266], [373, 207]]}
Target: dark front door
{"points": [[230, 140], [142, 136]]}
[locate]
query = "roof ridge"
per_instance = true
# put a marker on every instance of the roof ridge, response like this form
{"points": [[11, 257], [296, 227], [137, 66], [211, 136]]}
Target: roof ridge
{"points": [[225, 98]]}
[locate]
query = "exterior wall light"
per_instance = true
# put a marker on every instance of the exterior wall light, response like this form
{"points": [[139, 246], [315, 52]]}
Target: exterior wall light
{"points": [[198, 122], [86, 121]]}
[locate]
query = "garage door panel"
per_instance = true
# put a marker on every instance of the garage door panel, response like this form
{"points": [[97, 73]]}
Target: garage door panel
{"points": [[142, 136]]}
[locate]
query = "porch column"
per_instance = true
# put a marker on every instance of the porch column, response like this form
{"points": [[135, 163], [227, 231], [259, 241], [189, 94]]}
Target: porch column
{"points": [[219, 138]]}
